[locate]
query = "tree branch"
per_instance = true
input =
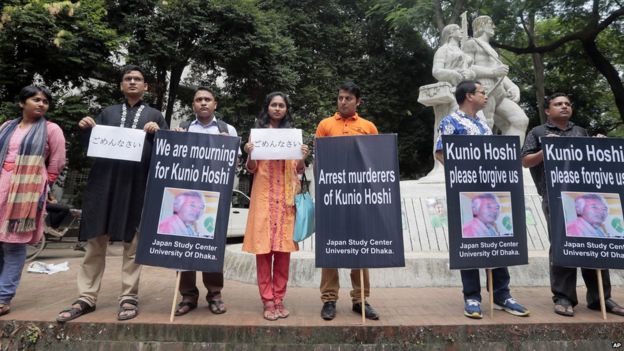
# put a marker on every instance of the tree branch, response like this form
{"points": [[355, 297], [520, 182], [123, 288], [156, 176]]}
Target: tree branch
{"points": [[527, 30], [439, 19], [541, 49], [587, 33], [610, 19], [602, 64], [457, 10]]}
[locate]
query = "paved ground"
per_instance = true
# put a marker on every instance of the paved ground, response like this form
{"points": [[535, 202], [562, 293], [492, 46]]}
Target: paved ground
{"points": [[41, 297]]}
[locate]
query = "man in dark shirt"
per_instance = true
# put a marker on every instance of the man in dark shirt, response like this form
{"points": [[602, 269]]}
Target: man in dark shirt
{"points": [[113, 200], [558, 108]]}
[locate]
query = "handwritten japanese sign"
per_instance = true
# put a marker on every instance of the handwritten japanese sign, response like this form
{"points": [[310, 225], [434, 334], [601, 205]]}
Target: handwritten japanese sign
{"points": [[116, 143], [276, 144]]}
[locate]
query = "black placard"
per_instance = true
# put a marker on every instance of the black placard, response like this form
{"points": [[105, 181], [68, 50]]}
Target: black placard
{"points": [[358, 202], [186, 211], [485, 201], [584, 180]]}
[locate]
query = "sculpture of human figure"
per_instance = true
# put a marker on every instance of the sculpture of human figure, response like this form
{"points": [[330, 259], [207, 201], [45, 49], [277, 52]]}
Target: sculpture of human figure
{"points": [[450, 63], [502, 110]]}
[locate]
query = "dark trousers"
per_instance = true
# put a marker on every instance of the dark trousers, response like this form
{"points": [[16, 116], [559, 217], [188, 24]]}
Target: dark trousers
{"points": [[472, 285], [212, 281], [563, 279]]}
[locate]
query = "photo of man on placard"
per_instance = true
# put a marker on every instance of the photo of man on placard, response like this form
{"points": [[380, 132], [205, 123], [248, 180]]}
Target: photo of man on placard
{"points": [[487, 217], [587, 215], [188, 213]]}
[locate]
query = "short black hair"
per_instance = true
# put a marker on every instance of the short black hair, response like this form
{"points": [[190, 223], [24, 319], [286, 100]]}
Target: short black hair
{"points": [[551, 97], [205, 88], [32, 90], [129, 68], [465, 87], [351, 88]]}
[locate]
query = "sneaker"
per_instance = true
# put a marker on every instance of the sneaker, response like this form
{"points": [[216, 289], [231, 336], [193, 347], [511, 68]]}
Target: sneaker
{"points": [[512, 306], [329, 310], [472, 309], [369, 311]]}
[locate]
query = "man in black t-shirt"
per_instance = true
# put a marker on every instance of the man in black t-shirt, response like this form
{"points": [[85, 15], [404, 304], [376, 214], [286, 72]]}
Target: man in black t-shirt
{"points": [[558, 108]]}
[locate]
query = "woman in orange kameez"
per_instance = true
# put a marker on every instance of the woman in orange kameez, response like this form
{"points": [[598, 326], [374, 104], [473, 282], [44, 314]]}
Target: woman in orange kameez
{"points": [[271, 221]]}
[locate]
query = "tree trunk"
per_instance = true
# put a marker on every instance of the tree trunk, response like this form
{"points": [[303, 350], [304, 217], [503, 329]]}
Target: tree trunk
{"points": [[160, 87], [608, 71], [538, 67], [439, 17], [538, 81], [458, 8], [174, 83]]}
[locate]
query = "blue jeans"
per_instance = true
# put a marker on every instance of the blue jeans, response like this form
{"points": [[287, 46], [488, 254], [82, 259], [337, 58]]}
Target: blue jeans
{"points": [[472, 285], [12, 259]]}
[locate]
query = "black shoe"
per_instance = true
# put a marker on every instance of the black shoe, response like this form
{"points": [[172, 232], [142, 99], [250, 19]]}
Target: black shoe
{"points": [[329, 310], [369, 311]]}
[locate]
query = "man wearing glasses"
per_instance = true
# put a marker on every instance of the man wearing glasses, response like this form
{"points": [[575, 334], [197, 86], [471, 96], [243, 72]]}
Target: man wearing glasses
{"points": [[471, 98], [485, 211], [188, 207], [591, 212], [113, 200]]}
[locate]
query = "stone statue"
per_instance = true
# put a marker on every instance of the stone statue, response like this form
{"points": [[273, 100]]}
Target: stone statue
{"points": [[450, 63], [476, 59], [502, 110], [450, 66]]}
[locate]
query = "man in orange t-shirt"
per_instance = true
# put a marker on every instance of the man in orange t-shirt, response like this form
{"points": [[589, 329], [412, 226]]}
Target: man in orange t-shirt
{"points": [[343, 123]]}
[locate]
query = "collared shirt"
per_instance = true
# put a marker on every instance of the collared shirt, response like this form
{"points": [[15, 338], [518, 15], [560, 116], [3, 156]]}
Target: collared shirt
{"points": [[475, 228], [210, 128], [581, 227], [174, 225], [460, 123], [338, 126], [533, 144], [191, 231]]}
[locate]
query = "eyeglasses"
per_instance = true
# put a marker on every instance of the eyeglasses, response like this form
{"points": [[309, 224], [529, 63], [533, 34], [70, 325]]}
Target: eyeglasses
{"points": [[482, 92]]}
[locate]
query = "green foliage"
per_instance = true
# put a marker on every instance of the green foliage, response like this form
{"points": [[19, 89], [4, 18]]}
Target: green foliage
{"points": [[593, 100], [60, 44], [231, 40], [309, 49], [59, 41], [568, 68]]}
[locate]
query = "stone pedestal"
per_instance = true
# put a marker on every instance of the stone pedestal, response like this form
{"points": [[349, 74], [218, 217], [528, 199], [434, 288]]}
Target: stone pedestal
{"points": [[425, 239]]}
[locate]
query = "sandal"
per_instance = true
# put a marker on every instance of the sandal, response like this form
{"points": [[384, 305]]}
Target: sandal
{"points": [[281, 311], [185, 307], [128, 309], [5, 308], [269, 312], [75, 312], [217, 306], [611, 307], [563, 307]]}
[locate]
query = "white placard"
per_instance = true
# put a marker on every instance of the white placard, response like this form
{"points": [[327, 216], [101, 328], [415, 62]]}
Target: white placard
{"points": [[276, 144], [116, 143]]}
